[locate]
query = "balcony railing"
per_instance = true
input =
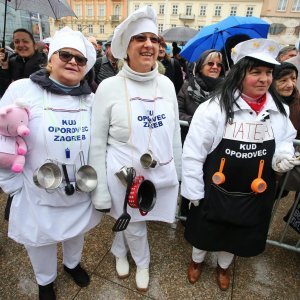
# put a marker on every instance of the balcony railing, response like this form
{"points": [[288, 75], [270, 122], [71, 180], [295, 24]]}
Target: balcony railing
{"points": [[186, 17], [115, 18]]}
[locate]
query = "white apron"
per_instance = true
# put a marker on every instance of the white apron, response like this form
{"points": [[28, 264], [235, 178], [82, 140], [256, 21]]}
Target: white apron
{"points": [[144, 112], [39, 217]]}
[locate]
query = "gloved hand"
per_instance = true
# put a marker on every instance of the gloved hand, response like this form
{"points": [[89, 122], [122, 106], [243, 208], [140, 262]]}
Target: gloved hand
{"points": [[285, 163]]}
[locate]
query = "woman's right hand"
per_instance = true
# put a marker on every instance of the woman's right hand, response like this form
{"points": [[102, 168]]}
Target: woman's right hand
{"points": [[3, 59]]}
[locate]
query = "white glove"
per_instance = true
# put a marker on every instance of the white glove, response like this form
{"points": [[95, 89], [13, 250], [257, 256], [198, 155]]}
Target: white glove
{"points": [[285, 163], [195, 203]]}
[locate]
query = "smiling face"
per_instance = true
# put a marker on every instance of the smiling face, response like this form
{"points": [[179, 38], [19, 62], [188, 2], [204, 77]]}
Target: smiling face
{"points": [[66, 73], [257, 82], [24, 45], [212, 65], [286, 84], [142, 53]]}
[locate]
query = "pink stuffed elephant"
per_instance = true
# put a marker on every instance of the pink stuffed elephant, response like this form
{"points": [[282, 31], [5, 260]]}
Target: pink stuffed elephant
{"points": [[13, 124]]}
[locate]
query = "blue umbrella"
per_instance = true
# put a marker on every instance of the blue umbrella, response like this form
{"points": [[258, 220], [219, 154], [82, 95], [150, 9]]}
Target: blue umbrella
{"points": [[215, 36]]}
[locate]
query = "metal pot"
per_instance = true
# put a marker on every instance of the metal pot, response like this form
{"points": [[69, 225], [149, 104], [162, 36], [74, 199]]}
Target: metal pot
{"points": [[142, 195], [86, 179], [48, 176]]}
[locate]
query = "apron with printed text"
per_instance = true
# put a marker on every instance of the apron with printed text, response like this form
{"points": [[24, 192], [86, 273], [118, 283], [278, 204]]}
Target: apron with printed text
{"points": [[232, 217], [151, 126]]}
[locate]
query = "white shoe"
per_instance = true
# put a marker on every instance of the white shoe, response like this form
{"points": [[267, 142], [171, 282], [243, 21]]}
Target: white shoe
{"points": [[142, 279], [122, 267]]}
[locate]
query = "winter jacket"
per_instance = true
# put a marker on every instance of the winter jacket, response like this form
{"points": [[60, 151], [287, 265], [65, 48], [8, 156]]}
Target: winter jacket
{"points": [[173, 72], [103, 69], [19, 68]]}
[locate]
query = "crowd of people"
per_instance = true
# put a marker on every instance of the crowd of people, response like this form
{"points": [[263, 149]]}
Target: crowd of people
{"points": [[119, 112]]}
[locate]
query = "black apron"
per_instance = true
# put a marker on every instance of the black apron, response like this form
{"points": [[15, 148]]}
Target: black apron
{"points": [[231, 217]]}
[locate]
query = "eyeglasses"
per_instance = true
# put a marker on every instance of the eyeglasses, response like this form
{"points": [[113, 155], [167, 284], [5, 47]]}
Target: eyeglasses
{"points": [[66, 56], [211, 64], [140, 38]]}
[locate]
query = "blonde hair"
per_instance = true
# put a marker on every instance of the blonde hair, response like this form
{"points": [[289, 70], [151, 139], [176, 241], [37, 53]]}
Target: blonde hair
{"points": [[212, 56]]}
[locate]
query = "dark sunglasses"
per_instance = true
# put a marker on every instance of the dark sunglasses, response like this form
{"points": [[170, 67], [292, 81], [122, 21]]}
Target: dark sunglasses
{"points": [[211, 64], [66, 56], [140, 38]]}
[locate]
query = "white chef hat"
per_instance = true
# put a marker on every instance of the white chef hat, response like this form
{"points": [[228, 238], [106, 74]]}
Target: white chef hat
{"points": [[68, 38], [262, 49], [141, 20]]}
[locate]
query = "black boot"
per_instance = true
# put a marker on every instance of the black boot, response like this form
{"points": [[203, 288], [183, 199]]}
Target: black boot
{"points": [[46, 292], [79, 275]]}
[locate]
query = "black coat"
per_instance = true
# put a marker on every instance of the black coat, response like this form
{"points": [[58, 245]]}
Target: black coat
{"points": [[173, 72], [19, 68]]}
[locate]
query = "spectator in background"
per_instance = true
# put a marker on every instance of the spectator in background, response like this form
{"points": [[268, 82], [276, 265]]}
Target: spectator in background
{"points": [[93, 40], [25, 61], [172, 66], [286, 53], [99, 49], [106, 66], [201, 83], [296, 61]]}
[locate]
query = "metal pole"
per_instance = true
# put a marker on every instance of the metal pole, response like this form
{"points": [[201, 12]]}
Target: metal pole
{"points": [[4, 27], [40, 27]]}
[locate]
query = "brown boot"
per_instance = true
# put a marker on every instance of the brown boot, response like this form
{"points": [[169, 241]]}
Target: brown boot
{"points": [[223, 278], [194, 271]]}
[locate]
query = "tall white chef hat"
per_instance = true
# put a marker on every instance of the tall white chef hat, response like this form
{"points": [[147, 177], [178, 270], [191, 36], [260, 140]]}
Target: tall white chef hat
{"points": [[68, 38], [262, 49], [141, 20]]}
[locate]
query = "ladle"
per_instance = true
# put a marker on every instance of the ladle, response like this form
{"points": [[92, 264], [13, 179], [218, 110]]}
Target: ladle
{"points": [[219, 177], [258, 185], [69, 188]]}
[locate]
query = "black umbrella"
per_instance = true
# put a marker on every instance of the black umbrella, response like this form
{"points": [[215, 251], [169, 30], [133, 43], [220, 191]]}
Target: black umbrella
{"points": [[52, 8]]}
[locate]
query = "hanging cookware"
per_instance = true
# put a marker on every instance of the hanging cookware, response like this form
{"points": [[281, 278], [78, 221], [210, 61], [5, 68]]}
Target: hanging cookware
{"points": [[69, 188], [123, 221], [122, 175], [142, 195], [48, 176], [147, 160], [219, 177], [86, 176], [258, 185]]}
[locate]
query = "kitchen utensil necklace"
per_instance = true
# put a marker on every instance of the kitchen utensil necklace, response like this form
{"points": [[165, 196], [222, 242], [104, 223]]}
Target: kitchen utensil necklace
{"points": [[48, 108], [146, 159]]}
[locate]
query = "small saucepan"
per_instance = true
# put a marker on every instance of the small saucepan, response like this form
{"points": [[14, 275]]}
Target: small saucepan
{"points": [[86, 179], [48, 176], [142, 195]]}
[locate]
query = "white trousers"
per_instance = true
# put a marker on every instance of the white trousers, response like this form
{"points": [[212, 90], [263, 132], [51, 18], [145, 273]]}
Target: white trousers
{"points": [[134, 238], [224, 258], [44, 258]]}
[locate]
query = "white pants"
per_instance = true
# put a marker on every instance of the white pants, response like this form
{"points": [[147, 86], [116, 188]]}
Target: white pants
{"points": [[134, 238], [224, 258], [44, 258]]}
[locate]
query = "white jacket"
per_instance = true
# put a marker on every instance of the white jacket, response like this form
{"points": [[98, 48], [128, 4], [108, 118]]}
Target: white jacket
{"points": [[207, 130]]}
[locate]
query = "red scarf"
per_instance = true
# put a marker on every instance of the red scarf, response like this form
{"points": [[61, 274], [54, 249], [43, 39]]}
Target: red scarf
{"points": [[258, 104]]}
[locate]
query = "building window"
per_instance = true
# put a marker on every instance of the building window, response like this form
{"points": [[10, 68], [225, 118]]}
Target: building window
{"points": [[173, 25], [78, 10], [233, 10], [175, 9], [117, 10], [101, 27], [160, 28], [249, 12], [281, 6], [203, 10], [90, 28], [136, 6], [276, 28], [217, 10], [200, 27], [79, 27], [89, 10], [296, 5], [60, 26], [101, 10], [161, 9], [188, 10]]}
